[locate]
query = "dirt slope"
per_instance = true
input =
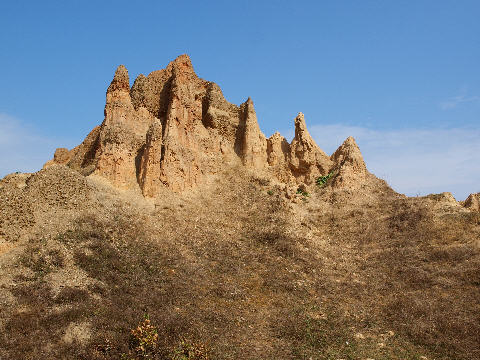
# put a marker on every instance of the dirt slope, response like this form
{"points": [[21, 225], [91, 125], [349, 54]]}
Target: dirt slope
{"points": [[248, 247]]}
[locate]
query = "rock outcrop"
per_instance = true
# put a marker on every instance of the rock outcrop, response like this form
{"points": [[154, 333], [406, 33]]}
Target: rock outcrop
{"points": [[473, 202], [307, 160], [172, 129], [350, 170], [254, 143]]}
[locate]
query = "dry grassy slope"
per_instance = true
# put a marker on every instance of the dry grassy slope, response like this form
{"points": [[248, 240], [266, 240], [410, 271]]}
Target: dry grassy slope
{"points": [[233, 264]]}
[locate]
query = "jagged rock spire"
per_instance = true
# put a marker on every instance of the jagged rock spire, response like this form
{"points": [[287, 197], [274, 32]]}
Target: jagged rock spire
{"points": [[120, 81], [307, 160], [254, 145]]}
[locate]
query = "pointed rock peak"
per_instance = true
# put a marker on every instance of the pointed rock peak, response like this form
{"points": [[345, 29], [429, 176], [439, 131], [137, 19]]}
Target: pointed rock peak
{"points": [[349, 146], [138, 91], [121, 69], [301, 132], [300, 117], [350, 141], [247, 106], [121, 80], [307, 160], [182, 64], [349, 152], [300, 126], [276, 136], [141, 78]]}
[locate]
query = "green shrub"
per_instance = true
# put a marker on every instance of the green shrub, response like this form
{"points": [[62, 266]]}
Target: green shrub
{"points": [[322, 180], [303, 193]]}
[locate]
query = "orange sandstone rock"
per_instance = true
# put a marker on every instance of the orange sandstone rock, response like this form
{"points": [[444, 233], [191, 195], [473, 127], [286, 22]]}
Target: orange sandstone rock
{"points": [[172, 129]]}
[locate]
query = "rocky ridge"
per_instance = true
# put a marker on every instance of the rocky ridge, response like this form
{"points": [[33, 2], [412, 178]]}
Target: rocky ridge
{"points": [[172, 129]]}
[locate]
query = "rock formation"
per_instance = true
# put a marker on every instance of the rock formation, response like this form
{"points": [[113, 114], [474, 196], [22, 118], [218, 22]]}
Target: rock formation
{"points": [[307, 160], [172, 129], [473, 202], [350, 169]]}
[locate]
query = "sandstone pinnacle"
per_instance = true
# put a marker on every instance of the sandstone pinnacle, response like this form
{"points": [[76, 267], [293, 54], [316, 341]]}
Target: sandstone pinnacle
{"points": [[307, 160], [120, 80], [349, 165], [278, 150], [254, 146], [172, 130]]}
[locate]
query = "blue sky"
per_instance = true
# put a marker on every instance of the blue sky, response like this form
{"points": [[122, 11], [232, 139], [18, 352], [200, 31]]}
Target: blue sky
{"points": [[403, 77]]}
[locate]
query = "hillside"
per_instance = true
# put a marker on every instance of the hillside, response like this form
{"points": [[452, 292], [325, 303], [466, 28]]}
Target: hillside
{"points": [[178, 208]]}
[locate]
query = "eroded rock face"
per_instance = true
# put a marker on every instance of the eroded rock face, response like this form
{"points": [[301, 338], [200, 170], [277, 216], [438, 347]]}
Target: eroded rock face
{"points": [[172, 129], [473, 202]]}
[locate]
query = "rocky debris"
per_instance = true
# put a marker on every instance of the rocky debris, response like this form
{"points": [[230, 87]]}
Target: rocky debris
{"points": [[16, 212], [172, 130], [473, 202], [14, 181], [25, 198]]}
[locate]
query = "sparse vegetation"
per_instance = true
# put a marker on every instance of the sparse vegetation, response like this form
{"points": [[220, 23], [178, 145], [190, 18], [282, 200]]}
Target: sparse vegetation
{"points": [[302, 192], [322, 180], [387, 278]]}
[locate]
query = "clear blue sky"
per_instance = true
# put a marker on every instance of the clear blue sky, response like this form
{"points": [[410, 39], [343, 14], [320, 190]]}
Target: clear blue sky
{"points": [[395, 74]]}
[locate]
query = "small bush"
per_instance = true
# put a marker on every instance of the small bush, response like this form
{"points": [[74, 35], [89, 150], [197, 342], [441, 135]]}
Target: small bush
{"points": [[144, 340], [302, 192], [322, 180]]}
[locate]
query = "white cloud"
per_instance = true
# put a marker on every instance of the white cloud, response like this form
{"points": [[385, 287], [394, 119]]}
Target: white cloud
{"points": [[22, 148], [453, 102], [414, 161]]}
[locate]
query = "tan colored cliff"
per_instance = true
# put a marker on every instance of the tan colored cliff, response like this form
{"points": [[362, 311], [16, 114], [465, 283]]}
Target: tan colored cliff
{"points": [[172, 129]]}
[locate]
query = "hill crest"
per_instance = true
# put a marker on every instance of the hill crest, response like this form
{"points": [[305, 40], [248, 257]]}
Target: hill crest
{"points": [[172, 129]]}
